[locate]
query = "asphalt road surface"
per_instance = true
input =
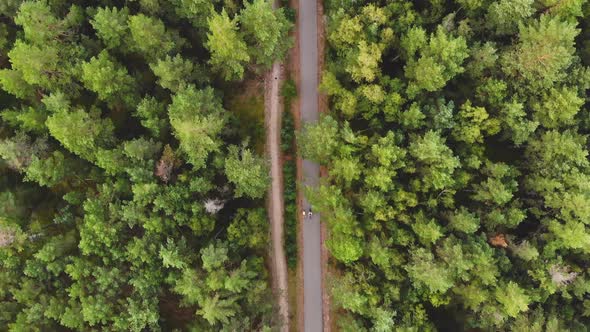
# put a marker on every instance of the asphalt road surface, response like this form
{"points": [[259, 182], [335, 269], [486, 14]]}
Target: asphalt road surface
{"points": [[312, 272]]}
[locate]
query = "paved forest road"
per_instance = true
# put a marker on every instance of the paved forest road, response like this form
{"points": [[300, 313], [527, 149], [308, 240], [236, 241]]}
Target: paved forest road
{"points": [[312, 272]]}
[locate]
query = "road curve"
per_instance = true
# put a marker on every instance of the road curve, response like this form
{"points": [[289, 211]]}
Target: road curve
{"points": [[312, 272]]}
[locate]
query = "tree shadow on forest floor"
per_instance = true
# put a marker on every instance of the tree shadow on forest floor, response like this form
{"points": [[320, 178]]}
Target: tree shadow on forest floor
{"points": [[246, 102]]}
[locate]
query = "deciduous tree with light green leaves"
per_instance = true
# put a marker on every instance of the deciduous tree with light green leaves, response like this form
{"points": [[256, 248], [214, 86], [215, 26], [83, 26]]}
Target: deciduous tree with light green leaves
{"points": [[229, 52], [432, 61], [264, 30], [197, 118], [111, 26], [456, 151], [108, 79], [249, 173]]}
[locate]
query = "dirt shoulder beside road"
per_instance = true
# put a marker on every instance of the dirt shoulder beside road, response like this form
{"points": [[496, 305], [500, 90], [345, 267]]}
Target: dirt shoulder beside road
{"points": [[295, 74], [329, 325]]}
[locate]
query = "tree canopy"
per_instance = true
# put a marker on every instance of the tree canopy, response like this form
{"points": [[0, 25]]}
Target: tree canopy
{"points": [[457, 151], [124, 204]]}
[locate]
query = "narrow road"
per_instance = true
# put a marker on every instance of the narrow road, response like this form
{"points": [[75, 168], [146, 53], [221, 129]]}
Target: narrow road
{"points": [[272, 113], [273, 110], [312, 272]]}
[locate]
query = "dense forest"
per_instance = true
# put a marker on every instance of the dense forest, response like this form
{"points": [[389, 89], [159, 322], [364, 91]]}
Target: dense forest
{"points": [[458, 195], [131, 197]]}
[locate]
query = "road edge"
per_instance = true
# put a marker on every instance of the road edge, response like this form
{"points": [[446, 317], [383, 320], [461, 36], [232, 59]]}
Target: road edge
{"points": [[323, 109], [296, 76]]}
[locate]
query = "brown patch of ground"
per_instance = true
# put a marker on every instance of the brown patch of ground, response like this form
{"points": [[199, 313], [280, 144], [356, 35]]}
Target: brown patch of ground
{"points": [[293, 295], [247, 104], [169, 306]]}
